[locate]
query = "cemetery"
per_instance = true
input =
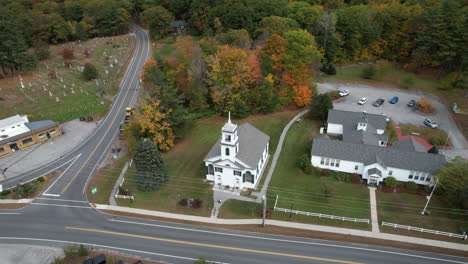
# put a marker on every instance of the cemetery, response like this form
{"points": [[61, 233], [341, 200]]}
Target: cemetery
{"points": [[59, 90]]}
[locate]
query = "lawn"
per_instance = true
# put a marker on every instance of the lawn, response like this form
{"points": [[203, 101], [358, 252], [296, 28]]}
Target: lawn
{"points": [[68, 96], [104, 181], [392, 76], [405, 209], [290, 183], [185, 165]]}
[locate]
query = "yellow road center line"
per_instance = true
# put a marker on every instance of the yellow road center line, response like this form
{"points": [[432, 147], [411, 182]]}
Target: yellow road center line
{"points": [[102, 138], [213, 246]]}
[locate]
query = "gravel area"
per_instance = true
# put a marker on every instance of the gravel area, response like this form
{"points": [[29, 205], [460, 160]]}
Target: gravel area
{"points": [[19, 162]]}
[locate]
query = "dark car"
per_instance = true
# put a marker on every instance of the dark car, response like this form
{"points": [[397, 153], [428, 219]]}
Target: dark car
{"points": [[378, 102], [411, 103], [394, 100]]}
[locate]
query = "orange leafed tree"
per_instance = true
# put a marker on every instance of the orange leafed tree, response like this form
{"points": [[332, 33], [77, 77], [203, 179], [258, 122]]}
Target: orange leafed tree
{"points": [[302, 95], [154, 122]]}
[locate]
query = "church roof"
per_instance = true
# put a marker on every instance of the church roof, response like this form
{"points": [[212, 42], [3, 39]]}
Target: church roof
{"points": [[252, 142]]}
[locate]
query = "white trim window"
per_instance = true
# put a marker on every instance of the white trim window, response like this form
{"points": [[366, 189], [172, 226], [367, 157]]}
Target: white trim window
{"points": [[327, 161], [332, 162], [218, 169], [322, 160], [390, 173], [337, 163]]}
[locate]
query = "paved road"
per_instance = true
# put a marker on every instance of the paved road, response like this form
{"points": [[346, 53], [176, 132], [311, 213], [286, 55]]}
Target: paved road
{"points": [[398, 112], [63, 216], [75, 221], [80, 163]]}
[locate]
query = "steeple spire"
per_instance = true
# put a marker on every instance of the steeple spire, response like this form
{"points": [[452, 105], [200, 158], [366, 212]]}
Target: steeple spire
{"points": [[229, 116]]}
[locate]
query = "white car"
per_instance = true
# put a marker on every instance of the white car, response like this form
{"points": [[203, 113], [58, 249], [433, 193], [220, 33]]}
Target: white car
{"points": [[362, 101], [430, 123], [343, 93]]}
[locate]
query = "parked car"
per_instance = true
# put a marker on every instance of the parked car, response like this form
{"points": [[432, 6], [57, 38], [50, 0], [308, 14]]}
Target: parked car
{"points": [[394, 100], [343, 93], [430, 123], [411, 103], [378, 102], [362, 101]]}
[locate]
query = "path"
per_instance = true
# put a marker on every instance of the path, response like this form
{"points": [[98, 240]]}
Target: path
{"points": [[421, 141], [279, 147], [223, 196], [117, 184], [373, 207]]}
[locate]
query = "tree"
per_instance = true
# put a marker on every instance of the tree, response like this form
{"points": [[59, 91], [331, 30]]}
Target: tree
{"points": [[90, 72], [453, 179], [150, 168], [326, 188], [154, 123], [276, 25], [67, 54], [157, 18], [305, 14], [391, 182], [425, 106], [41, 50], [319, 107], [239, 38]]}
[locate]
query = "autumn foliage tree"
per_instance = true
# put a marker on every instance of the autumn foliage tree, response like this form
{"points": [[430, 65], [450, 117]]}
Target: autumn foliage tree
{"points": [[154, 123], [425, 106]]}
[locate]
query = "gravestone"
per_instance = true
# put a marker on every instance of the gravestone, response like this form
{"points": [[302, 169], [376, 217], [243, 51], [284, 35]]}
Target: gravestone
{"points": [[57, 99]]}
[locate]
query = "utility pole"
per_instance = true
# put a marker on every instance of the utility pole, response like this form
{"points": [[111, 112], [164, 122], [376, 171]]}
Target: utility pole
{"points": [[290, 212], [264, 210], [429, 198]]}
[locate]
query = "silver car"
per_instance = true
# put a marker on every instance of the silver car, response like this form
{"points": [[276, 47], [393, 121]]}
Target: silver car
{"points": [[430, 123]]}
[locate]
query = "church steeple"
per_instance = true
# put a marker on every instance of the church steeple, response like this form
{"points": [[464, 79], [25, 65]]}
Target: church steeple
{"points": [[229, 140]]}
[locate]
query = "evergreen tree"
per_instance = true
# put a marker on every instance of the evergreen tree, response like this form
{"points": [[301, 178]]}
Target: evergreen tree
{"points": [[319, 107], [90, 72], [150, 168]]}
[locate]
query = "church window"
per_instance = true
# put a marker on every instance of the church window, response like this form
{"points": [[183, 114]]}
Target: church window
{"points": [[227, 151], [228, 138], [210, 169], [237, 173], [218, 169]]}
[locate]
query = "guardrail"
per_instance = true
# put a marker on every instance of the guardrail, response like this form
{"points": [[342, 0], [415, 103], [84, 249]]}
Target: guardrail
{"points": [[342, 218], [424, 230]]}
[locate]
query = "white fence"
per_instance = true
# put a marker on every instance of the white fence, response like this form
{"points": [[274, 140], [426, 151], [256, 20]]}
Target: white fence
{"points": [[412, 228], [342, 218]]}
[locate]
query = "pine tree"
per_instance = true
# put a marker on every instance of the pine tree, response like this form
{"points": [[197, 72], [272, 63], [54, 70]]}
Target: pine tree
{"points": [[150, 167]]}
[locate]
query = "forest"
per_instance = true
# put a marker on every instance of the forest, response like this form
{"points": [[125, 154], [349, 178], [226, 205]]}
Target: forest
{"points": [[245, 56]]}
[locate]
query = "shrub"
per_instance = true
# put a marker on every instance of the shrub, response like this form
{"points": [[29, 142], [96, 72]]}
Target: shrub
{"points": [[355, 178], [326, 172], [407, 81], [70, 251], [304, 161], [67, 54], [329, 69], [326, 189], [5, 192], [58, 260], [183, 202], [425, 106], [42, 51], [437, 140], [86, 52], [334, 95], [42, 179], [368, 72], [90, 72], [391, 182], [309, 170], [197, 203], [427, 188], [82, 251], [347, 178], [339, 176], [411, 186]]}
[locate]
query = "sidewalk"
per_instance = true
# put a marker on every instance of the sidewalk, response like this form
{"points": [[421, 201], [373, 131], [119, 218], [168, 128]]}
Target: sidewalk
{"points": [[319, 228], [373, 207], [19, 162], [421, 141]]}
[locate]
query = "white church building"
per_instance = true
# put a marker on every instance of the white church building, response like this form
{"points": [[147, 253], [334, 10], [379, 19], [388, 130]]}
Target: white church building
{"points": [[363, 150], [238, 158]]}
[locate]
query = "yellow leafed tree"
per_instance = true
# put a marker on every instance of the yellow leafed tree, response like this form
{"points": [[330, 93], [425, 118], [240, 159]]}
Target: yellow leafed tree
{"points": [[154, 123]]}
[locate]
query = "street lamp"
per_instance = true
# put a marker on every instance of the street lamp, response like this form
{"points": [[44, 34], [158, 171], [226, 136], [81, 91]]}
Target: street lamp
{"points": [[264, 210], [290, 212], [429, 197]]}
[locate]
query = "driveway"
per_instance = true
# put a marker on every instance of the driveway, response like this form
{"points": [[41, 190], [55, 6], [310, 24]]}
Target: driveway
{"points": [[399, 112]]}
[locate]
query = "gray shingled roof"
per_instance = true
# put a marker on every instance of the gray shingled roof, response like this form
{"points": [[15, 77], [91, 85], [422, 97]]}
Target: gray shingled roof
{"points": [[352, 118], [252, 142], [368, 154], [374, 171], [40, 125], [409, 144]]}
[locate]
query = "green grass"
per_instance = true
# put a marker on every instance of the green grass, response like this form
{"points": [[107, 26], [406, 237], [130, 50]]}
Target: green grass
{"points": [[405, 209], [77, 97], [104, 181], [425, 133], [235, 209], [186, 169], [290, 183]]}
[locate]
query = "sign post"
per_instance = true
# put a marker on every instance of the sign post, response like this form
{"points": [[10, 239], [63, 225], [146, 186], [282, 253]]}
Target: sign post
{"points": [[94, 191]]}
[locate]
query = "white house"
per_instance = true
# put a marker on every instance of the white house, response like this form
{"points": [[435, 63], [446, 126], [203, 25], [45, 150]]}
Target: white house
{"points": [[238, 158], [407, 160]]}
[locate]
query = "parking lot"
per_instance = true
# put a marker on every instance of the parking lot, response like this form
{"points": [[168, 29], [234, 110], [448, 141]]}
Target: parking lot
{"points": [[399, 113]]}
